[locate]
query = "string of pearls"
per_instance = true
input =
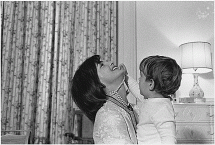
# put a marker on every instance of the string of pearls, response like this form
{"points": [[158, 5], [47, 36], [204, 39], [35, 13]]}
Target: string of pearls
{"points": [[116, 95]]}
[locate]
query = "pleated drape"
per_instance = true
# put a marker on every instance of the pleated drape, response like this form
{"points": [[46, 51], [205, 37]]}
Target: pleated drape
{"points": [[42, 44]]}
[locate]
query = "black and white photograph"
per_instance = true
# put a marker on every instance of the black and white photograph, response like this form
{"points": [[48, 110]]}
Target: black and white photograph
{"points": [[107, 72]]}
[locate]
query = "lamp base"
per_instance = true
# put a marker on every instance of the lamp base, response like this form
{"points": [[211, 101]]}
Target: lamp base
{"points": [[196, 91]]}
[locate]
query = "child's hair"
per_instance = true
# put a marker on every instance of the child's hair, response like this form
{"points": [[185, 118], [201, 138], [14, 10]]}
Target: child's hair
{"points": [[165, 72]]}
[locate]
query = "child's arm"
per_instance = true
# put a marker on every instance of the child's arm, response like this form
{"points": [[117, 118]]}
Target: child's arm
{"points": [[134, 88], [165, 123]]}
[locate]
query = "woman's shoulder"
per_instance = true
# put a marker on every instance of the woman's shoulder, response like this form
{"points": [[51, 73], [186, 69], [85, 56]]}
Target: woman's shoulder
{"points": [[109, 114], [110, 126], [109, 108]]}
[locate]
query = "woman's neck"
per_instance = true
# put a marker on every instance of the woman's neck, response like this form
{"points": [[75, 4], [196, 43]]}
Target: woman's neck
{"points": [[118, 92], [123, 93]]}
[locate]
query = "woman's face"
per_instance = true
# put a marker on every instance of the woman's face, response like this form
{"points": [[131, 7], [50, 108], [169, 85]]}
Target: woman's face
{"points": [[110, 75]]}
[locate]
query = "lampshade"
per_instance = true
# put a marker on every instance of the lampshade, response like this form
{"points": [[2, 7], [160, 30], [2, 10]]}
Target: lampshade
{"points": [[196, 57]]}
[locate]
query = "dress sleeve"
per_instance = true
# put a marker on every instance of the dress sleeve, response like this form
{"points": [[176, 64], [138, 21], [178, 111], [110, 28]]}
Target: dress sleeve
{"points": [[134, 88], [165, 124], [111, 128]]}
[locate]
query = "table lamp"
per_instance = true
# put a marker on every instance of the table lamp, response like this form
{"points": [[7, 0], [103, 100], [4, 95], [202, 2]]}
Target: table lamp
{"points": [[196, 59]]}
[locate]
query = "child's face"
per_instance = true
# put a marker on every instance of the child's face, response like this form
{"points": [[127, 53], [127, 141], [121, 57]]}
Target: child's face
{"points": [[144, 85]]}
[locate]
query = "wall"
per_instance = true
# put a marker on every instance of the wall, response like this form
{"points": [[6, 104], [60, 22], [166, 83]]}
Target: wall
{"points": [[163, 26], [127, 52], [160, 28]]}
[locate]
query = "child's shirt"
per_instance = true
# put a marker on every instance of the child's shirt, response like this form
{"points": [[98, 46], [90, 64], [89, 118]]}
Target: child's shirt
{"points": [[156, 118], [156, 122]]}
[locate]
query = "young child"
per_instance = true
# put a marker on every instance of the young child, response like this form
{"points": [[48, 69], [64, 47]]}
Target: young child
{"points": [[160, 77]]}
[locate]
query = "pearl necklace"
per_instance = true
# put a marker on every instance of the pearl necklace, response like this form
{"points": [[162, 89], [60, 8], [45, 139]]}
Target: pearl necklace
{"points": [[117, 99], [116, 95]]}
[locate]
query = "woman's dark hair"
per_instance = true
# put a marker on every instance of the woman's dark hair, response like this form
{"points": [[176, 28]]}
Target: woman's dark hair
{"points": [[87, 90], [165, 72]]}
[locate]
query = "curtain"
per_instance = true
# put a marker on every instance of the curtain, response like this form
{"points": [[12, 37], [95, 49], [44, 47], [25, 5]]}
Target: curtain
{"points": [[42, 44]]}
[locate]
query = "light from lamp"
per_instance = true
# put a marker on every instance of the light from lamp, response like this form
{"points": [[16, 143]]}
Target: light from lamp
{"points": [[196, 57]]}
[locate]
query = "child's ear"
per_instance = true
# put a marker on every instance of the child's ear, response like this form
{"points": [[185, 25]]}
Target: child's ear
{"points": [[151, 85]]}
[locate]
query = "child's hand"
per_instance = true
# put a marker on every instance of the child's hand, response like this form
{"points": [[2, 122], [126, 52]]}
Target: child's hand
{"points": [[124, 67], [126, 80], [126, 73]]}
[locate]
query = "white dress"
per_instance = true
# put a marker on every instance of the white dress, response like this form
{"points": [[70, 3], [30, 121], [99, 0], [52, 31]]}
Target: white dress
{"points": [[113, 125]]}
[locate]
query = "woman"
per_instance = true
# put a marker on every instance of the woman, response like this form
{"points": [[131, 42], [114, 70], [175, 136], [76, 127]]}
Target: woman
{"points": [[99, 90]]}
